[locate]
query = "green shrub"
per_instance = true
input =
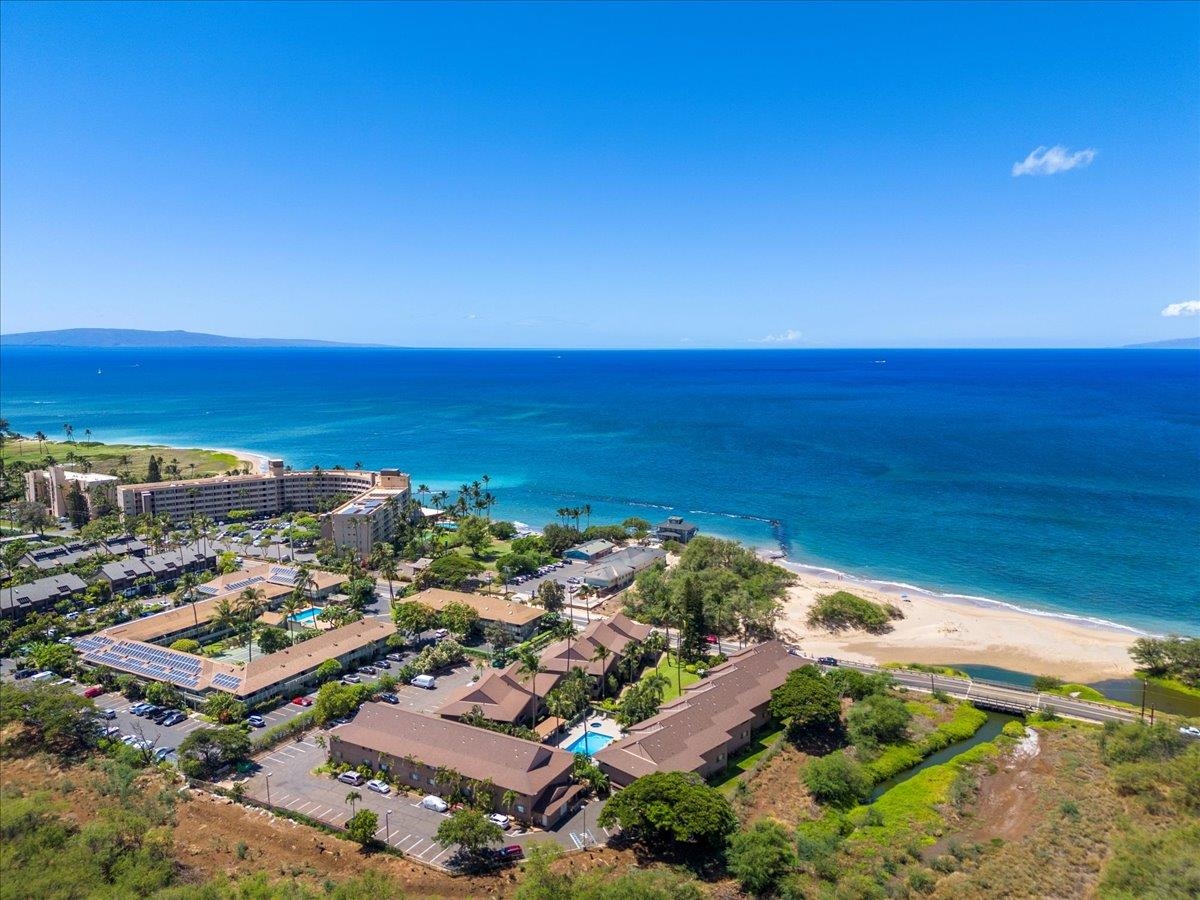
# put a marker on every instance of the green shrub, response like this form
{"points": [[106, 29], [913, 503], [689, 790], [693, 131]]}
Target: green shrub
{"points": [[837, 780], [844, 610]]}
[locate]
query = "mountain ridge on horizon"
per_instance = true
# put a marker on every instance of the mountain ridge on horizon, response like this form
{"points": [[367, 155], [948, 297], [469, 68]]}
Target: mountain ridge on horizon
{"points": [[137, 338]]}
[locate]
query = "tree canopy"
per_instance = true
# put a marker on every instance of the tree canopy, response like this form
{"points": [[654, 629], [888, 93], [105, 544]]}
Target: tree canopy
{"points": [[470, 829], [666, 809], [761, 856], [807, 700]]}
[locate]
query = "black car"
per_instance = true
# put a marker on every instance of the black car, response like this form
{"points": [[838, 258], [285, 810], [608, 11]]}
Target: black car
{"points": [[23, 673], [150, 712], [389, 698], [827, 661], [161, 715]]}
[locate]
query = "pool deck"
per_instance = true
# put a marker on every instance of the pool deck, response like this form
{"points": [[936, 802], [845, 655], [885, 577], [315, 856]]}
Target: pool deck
{"points": [[607, 726]]}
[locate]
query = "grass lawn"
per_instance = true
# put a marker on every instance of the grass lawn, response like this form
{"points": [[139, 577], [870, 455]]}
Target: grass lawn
{"points": [[748, 757], [108, 458], [667, 668], [490, 555]]}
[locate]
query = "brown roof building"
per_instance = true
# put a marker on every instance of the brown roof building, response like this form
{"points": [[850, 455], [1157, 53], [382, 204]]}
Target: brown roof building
{"points": [[713, 719], [615, 634], [502, 695], [421, 750], [518, 618]]}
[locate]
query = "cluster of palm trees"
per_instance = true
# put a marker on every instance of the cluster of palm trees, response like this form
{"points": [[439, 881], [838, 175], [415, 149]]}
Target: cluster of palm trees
{"points": [[566, 513], [473, 497], [240, 616]]}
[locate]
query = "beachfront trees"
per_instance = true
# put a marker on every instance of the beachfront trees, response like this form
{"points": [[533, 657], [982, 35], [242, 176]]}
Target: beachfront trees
{"points": [[636, 527], [1172, 657], [557, 538], [668, 809], [806, 701], [738, 591], [474, 533], [843, 610]]}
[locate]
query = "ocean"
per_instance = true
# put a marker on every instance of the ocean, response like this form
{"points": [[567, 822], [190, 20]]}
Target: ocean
{"points": [[1066, 481]]}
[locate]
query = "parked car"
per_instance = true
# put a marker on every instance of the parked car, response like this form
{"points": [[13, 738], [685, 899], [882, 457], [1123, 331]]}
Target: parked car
{"points": [[161, 716], [367, 670], [711, 639], [43, 676], [352, 778], [379, 787], [424, 681], [441, 633], [437, 804], [107, 713], [150, 711], [302, 701], [256, 721], [174, 718], [512, 851], [383, 664], [827, 661], [94, 691], [162, 753], [389, 698], [1190, 731], [137, 708], [350, 679], [22, 674], [111, 731], [500, 819], [396, 657]]}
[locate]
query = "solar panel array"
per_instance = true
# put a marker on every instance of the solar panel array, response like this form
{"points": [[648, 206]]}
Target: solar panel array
{"points": [[244, 583], [208, 589], [284, 574], [147, 660], [227, 681], [92, 643]]}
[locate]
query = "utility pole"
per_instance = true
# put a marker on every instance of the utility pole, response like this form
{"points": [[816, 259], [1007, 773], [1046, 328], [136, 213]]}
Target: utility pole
{"points": [[1143, 702]]}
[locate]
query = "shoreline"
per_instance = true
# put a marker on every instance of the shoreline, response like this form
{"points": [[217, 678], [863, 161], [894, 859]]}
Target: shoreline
{"points": [[958, 630], [938, 628]]}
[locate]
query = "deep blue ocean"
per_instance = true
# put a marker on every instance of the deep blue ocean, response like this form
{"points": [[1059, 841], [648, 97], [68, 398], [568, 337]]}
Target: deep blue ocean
{"points": [[1063, 480]]}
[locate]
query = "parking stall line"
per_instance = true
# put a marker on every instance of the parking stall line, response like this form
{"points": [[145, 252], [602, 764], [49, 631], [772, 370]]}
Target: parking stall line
{"points": [[445, 850], [305, 806]]}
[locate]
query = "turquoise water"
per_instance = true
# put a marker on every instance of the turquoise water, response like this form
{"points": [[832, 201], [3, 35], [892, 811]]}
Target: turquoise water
{"points": [[1068, 481], [589, 742], [307, 617]]}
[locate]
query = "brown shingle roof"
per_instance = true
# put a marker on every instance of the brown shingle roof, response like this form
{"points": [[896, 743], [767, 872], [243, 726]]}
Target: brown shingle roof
{"points": [[511, 763], [502, 695], [708, 714], [491, 609], [264, 671], [614, 633]]}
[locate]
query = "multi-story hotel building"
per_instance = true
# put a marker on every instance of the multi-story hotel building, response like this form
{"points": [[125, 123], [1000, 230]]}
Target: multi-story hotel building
{"points": [[378, 499]]}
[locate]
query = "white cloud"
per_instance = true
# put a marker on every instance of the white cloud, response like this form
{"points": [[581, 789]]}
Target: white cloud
{"points": [[785, 337], [1186, 308], [1049, 161]]}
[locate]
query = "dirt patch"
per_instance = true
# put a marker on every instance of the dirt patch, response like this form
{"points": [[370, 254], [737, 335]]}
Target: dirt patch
{"points": [[777, 791]]}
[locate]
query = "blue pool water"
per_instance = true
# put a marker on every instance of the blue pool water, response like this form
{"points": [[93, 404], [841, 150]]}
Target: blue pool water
{"points": [[588, 743], [307, 617], [1067, 480]]}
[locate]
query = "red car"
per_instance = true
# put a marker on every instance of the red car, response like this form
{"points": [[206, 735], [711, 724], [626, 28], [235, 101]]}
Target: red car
{"points": [[712, 639], [302, 701], [94, 691]]}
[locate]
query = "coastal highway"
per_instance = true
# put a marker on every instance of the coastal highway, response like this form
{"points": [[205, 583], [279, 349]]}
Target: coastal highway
{"points": [[985, 694], [992, 695]]}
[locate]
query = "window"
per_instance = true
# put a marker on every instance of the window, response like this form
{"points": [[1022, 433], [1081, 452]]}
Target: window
{"points": [[520, 808]]}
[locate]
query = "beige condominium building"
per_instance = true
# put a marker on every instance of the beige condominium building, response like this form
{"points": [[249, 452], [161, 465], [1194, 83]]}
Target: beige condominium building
{"points": [[378, 499], [52, 485]]}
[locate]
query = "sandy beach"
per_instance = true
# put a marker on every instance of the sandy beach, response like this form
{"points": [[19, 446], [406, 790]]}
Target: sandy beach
{"points": [[947, 631]]}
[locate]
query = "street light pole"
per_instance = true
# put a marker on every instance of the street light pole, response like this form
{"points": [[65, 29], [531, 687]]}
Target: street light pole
{"points": [[267, 775], [387, 818]]}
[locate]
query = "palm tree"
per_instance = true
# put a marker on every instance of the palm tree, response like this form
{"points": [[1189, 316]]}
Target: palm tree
{"points": [[225, 615], [289, 607], [508, 800], [69, 430], [40, 437], [422, 491], [185, 592], [587, 511], [529, 669], [602, 653], [87, 435], [305, 582], [249, 606], [352, 798], [387, 568]]}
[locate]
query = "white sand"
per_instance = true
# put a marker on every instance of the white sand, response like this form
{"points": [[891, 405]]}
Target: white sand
{"points": [[938, 630]]}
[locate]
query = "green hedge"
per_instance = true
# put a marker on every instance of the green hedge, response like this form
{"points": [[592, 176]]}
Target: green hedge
{"points": [[278, 733], [896, 758]]}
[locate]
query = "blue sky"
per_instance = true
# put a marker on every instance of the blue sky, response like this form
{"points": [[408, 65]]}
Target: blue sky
{"points": [[604, 175]]}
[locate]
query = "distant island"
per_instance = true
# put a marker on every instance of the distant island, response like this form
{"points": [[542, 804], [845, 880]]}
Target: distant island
{"points": [[136, 338], [1187, 343]]}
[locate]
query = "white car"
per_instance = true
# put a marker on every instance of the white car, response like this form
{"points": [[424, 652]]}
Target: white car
{"points": [[500, 819], [437, 804], [379, 787], [1190, 731]]}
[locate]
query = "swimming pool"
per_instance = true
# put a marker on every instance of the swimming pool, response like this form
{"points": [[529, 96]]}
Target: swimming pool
{"points": [[589, 742], [306, 617]]}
